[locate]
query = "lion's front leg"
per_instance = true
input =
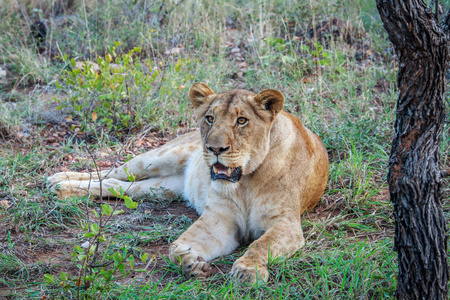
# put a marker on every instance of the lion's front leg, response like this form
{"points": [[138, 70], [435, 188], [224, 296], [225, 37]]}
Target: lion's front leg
{"points": [[282, 239], [212, 235], [82, 187], [70, 184]]}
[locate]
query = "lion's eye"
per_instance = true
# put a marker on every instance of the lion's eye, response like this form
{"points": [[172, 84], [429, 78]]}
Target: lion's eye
{"points": [[209, 119], [241, 121]]}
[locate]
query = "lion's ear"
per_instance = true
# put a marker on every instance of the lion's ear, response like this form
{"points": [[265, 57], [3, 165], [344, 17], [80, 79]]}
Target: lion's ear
{"points": [[198, 93], [271, 100]]}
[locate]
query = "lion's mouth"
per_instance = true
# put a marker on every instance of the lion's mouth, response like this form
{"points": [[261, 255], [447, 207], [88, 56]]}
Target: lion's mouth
{"points": [[219, 171]]}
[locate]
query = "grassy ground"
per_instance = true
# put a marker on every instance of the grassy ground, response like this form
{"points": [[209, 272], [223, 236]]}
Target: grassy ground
{"points": [[330, 59]]}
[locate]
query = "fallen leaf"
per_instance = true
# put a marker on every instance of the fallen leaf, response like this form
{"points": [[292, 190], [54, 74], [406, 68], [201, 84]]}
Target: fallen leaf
{"points": [[173, 51], [5, 204], [82, 64], [242, 65]]}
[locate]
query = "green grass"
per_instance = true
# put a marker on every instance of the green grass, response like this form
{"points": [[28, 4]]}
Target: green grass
{"points": [[342, 88], [11, 266], [361, 270], [28, 215]]}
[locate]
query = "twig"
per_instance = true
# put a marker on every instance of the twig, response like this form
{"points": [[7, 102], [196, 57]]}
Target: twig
{"points": [[161, 22], [101, 193], [101, 265], [25, 15], [164, 67]]}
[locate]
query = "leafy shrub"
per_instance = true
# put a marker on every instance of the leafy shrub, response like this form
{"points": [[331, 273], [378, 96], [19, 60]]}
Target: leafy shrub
{"points": [[99, 268], [114, 92]]}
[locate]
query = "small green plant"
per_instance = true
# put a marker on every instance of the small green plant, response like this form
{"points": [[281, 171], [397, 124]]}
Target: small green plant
{"points": [[98, 270], [111, 92], [316, 54], [11, 267], [277, 43]]}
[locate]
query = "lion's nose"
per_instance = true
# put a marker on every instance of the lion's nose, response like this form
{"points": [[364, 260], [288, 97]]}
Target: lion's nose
{"points": [[218, 151]]}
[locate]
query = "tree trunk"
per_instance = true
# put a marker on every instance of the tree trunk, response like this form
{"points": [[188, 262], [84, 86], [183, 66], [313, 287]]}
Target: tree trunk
{"points": [[414, 175]]}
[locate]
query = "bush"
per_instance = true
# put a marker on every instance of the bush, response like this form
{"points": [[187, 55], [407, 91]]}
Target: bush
{"points": [[114, 92]]}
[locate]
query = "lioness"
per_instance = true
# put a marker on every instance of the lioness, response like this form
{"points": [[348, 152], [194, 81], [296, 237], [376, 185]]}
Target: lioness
{"points": [[250, 173]]}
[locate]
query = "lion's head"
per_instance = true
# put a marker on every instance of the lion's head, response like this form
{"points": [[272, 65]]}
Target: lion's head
{"points": [[235, 128]]}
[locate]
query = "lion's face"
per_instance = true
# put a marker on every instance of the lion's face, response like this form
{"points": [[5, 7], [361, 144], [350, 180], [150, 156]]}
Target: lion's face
{"points": [[235, 128]]}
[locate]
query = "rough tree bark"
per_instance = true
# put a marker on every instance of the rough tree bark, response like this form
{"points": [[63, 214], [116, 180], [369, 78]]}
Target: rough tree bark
{"points": [[414, 175]]}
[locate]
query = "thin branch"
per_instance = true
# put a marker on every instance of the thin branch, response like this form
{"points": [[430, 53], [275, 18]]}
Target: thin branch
{"points": [[164, 67]]}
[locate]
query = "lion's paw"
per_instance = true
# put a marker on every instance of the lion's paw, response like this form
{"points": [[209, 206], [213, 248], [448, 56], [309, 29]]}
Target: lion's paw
{"points": [[65, 189], [70, 184], [67, 176], [192, 264], [198, 268], [247, 271]]}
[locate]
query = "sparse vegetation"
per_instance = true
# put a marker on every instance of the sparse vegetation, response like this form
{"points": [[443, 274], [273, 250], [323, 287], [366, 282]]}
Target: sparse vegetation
{"points": [[331, 60]]}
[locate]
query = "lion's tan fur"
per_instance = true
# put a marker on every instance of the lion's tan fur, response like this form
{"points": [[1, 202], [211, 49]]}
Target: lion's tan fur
{"points": [[284, 172]]}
